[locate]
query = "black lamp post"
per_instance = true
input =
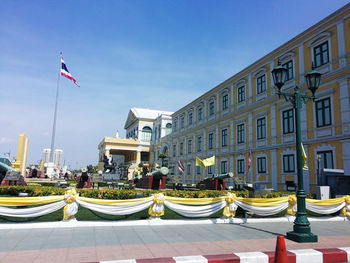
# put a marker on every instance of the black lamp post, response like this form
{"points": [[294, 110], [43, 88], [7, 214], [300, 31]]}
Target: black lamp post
{"points": [[301, 230]]}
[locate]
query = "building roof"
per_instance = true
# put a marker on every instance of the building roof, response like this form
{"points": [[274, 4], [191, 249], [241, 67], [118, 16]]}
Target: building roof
{"points": [[148, 114]]}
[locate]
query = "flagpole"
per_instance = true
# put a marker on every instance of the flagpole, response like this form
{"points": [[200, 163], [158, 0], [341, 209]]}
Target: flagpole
{"points": [[55, 114]]}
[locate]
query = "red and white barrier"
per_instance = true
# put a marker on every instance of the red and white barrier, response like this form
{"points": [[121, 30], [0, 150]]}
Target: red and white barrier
{"points": [[324, 255]]}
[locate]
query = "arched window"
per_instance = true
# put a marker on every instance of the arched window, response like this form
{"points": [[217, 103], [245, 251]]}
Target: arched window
{"points": [[168, 128], [165, 150], [146, 134]]}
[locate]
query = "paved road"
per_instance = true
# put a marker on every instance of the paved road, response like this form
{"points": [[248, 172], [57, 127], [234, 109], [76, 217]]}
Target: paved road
{"points": [[86, 244]]}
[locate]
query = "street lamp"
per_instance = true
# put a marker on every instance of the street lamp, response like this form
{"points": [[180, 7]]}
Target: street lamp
{"points": [[301, 229]]}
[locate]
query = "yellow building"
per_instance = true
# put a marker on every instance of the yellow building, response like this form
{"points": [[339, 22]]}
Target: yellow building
{"points": [[244, 117], [141, 126]]}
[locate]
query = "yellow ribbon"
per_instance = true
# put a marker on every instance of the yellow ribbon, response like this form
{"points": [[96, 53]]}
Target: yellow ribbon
{"points": [[69, 196], [346, 209], [194, 201], [230, 199], [292, 199], [135, 201], [157, 208], [19, 201]]}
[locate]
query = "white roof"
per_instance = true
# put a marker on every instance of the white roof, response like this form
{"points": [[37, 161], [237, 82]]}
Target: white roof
{"points": [[138, 113], [148, 113]]}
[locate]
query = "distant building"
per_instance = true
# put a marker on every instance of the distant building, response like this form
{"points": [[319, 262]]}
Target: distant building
{"points": [[58, 157], [46, 155]]}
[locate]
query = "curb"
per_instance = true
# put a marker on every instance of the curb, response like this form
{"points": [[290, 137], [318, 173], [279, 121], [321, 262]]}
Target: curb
{"points": [[325, 255], [163, 222]]}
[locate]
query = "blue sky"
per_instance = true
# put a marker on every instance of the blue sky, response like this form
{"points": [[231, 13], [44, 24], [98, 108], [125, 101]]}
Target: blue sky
{"points": [[148, 54]]}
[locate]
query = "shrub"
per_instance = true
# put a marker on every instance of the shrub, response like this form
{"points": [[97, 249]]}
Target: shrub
{"points": [[34, 190]]}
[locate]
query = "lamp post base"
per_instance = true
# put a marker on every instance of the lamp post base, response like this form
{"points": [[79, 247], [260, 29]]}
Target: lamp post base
{"points": [[302, 237]]}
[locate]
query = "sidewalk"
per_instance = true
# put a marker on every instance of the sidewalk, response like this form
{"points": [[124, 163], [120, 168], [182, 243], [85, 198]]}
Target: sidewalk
{"points": [[104, 241]]}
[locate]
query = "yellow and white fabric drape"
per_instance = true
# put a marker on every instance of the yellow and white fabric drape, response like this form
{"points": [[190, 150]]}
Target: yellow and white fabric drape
{"points": [[116, 207], [188, 207]]}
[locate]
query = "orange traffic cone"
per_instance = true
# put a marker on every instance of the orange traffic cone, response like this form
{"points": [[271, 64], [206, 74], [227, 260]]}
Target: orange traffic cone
{"points": [[281, 252]]}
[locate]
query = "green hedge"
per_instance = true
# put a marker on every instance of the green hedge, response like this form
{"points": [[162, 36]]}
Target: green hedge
{"points": [[124, 194]]}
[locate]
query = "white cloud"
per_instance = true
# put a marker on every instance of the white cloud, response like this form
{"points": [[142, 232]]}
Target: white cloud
{"points": [[5, 140]]}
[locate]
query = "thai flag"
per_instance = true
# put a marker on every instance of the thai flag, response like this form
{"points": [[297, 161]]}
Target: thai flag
{"points": [[181, 166], [65, 72]]}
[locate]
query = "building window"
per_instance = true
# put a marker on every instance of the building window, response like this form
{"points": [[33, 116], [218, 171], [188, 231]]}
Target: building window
{"points": [[288, 163], [189, 146], [289, 67], [210, 169], [210, 141], [224, 138], [261, 84], [182, 122], [175, 126], [188, 169], [288, 121], [200, 114], [225, 102], [223, 167], [190, 118], [181, 148], [261, 128], [168, 128], [174, 150], [199, 144], [240, 166], [160, 131], [261, 165], [323, 112], [326, 159], [241, 94], [240, 133], [146, 134], [211, 108], [198, 170], [321, 55]]}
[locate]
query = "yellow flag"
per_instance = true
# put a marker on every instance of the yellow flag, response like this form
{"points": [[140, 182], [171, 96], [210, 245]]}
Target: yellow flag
{"points": [[209, 161], [199, 162], [305, 167]]}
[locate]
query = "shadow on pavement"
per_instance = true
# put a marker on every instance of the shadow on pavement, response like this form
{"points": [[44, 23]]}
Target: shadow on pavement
{"points": [[262, 230]]}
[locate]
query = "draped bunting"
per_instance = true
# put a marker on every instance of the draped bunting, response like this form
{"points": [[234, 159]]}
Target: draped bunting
{"points": [[116, 202], [188, 207], [33, 211], [115, 210], [195, 211]]}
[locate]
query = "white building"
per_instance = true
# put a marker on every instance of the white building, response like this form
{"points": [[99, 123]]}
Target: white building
{"points": [[58, 157], [46, 155]]}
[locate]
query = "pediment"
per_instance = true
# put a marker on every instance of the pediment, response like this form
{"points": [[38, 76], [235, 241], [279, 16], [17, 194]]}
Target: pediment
{"points": [[130, 120]]}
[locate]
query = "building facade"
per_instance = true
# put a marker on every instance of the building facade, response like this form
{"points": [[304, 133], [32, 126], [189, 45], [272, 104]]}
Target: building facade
{"points": [[242, 121]]}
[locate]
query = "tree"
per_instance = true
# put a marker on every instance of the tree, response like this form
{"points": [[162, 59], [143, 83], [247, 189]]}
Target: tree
{"points": [[162, 156]]}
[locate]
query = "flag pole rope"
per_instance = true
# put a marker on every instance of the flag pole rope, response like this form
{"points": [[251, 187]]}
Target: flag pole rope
{"points": [[55, 114]]}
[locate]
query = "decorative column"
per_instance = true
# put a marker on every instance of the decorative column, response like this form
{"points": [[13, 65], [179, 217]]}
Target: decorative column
{"points": [[341, 43]]}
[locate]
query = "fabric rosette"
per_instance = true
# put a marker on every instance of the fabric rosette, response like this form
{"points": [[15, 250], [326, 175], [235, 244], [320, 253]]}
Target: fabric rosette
{"points": [[157, 208], [292, 208], [230, 208], [346, 209], [71, 207]]}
